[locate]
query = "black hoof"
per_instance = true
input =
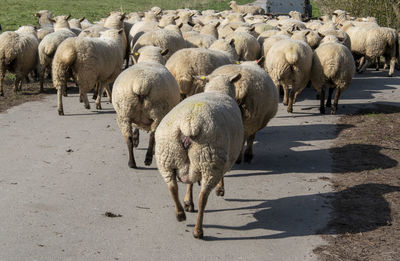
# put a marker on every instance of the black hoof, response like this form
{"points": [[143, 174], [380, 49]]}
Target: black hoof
{"points": [[87, 107], [181, 216], [189, 206], [198, 234], [148, 160], [248, 158], [220, 192], [98, 107], [132, 164], [61, 112]]}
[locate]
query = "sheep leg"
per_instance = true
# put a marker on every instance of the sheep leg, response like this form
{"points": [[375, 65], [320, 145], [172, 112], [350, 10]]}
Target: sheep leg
{"points": [[248, 154], [285, 95], [126, 129], [2, 75], [135, 137], [360, 63], [291, 99], [85, 99], [173, 189], [220, 189], [18, 79], [188, 200], [366, 64], [150, 150], [99, 94], [108, 92], [60, 104], [198, 229], [41, 78], [336, 101], [377, 63], [95, 92], [322, 100], [329, 99], [392, 65]]}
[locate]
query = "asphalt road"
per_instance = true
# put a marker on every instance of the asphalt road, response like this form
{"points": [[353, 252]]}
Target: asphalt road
{"points": [[59, 175]]}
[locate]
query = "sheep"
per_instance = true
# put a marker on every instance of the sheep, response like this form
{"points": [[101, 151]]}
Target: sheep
{"points": [[333, 66], [199, 140], [194, 39], [139, 28], [341, 35], [210, 29], [187, 63], [75, 25], [269, 42], [46, 26], [256, 96], [165, 39], [151, 53], [310, 37], [296, 15], [289, 63], [18, 54], [47, 48], [246, 46], [227, 47], [91, 61], [142, 95], [373, 42], [246, 9]]}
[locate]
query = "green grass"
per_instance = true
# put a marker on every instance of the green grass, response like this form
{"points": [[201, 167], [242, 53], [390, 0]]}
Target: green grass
{"points": [[14, 13], [315, 10]]}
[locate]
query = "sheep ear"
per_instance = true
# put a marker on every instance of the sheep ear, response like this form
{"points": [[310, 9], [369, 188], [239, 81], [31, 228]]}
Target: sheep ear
{"points": [[123, 16], [307, 33], [235, 78], [82, 19], [164, 52], [36, 14], [180, 25], [191, 23], [252, 28], [176, 17], [260, 61], [52, 20], [232, 42], [217, 24], [68, 17], [321, 35], [192, 14], [120, 31], [200, 23]]}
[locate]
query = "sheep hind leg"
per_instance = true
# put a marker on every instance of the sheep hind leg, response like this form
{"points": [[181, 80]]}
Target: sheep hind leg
{"points": [[220, 189], [108, 92], [135, 138], [285, 95], [291, 99], [2, 75], [365, 65], [198, 229], [329, 99], [173, 189], [248, 154], [239, 159], [17, 83], [99, 94], [41, 78], [392, 65], [150, 150], [83, 96], [336, 101], [60, 104], [188, 200], [322, 100]]}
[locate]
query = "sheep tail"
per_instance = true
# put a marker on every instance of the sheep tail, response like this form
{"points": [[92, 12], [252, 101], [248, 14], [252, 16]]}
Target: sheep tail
{"points": [[63, 60], [292, 57]]}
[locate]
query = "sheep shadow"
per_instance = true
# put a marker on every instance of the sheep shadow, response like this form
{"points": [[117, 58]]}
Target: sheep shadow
{"points": [[358, 209]]}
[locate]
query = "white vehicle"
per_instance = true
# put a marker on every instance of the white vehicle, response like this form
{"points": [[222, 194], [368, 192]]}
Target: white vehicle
{"points": [[284, 6]]}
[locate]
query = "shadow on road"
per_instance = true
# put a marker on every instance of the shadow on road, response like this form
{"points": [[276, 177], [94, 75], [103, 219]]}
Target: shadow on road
{"points": [[298, 216]]}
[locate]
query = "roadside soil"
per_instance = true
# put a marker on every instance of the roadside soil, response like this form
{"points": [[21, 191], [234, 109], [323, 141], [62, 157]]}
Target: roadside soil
{"points": [[366, 205]]}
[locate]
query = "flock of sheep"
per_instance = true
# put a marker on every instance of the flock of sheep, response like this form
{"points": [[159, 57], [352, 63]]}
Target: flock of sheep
{"points": [[202, 83]]}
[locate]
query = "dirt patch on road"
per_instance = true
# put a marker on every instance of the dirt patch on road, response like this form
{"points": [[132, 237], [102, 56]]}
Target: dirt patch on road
{"points": [[366, 201], [30, 92]]}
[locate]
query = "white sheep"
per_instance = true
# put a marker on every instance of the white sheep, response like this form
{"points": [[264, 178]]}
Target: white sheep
{"points": [[246, 9], [142, 95], [310, 37], [333, 66], [91, 61], [187, 63], [18, 54], [46, 26], [246, 46], [195, 39], [165, 39], [227, 47], [288, 62], [47, 48], [199, 140]]}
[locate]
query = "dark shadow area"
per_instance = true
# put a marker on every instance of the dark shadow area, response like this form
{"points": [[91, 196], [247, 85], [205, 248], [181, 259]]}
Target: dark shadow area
{"points": [[358, 209], [93, 112]]}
